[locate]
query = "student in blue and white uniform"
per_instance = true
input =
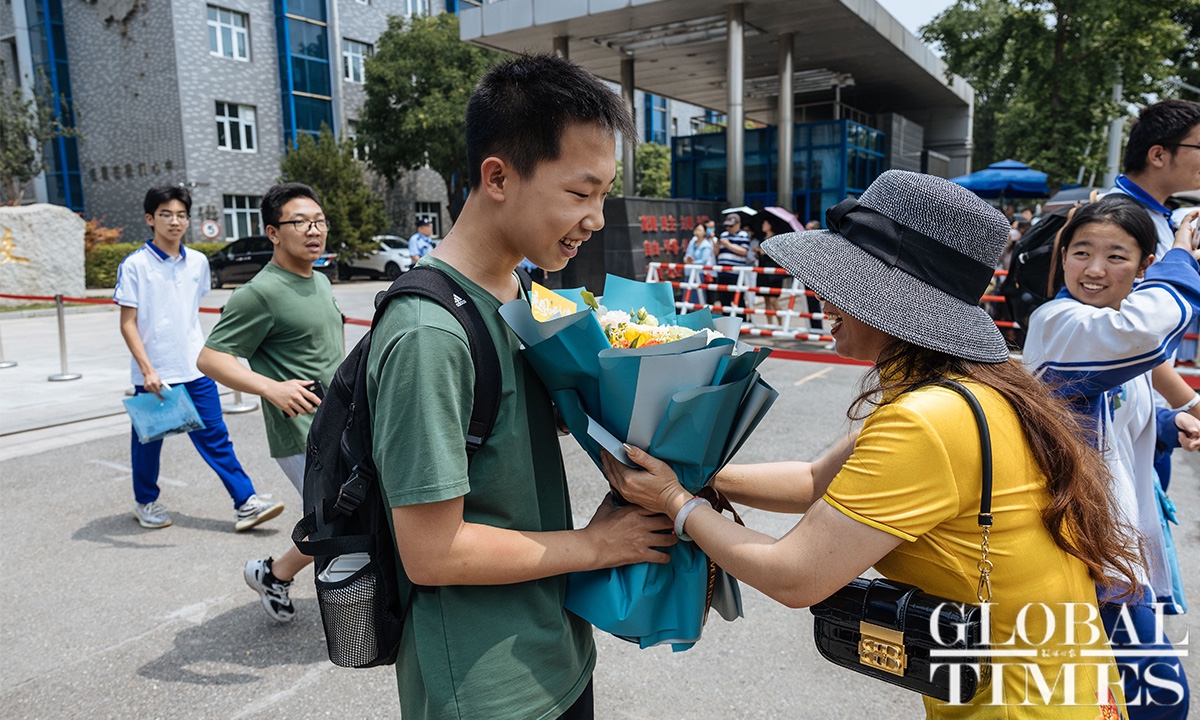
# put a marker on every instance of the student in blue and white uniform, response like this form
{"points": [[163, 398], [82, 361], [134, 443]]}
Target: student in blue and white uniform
{"points": [[1096, 343], [159, 287]]}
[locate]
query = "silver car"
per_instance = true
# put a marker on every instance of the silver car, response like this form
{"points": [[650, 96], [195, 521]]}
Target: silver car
{"points": [[388, 261]]}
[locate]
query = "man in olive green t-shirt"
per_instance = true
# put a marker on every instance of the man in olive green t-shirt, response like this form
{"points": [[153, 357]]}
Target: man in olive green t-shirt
{"points": [[286, 322], [492, 539]]}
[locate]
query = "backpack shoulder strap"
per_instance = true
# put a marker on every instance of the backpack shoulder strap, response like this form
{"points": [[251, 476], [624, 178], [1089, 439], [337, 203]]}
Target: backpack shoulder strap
{"points": [[429, 282]]}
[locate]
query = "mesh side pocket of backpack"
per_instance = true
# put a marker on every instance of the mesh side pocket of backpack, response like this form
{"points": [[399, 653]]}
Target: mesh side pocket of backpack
{"points": [[359, 629]]}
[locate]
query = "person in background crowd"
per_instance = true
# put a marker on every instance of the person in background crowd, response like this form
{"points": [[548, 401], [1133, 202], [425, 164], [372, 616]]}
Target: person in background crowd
{"points": [[420, 243], [710, 228], [733, 249], [1095, 343], [699, 252], [159, 287], [771, 227], [903, 494], [813, 304], [286, 322], [1020, 226]]}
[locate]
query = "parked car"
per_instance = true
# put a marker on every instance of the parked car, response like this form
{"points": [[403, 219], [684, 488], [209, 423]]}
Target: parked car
{"points": [[388, 261], [241, 260]]}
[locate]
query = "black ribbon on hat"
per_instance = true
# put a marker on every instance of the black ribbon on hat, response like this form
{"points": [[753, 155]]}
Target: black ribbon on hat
{"points": [[919, 255]]}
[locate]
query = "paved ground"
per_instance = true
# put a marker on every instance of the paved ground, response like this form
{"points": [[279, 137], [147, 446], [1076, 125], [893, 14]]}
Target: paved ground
{"points": [[100, 618]]}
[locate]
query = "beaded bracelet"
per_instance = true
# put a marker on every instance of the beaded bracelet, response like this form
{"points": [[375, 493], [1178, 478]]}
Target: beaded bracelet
{"points": [[687, 509]]}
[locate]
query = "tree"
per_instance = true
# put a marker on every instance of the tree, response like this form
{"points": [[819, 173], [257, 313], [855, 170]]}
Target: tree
{"points": [[417, 84], [329, 167], [26, 125], [652, 172], [1043, 72]]}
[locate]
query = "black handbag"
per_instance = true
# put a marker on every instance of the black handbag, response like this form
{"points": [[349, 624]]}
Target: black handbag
{"points": [[885, 629]]}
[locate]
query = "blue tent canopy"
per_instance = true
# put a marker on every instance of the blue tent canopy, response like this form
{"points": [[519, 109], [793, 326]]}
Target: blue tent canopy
{"points": [[1007, 178]]}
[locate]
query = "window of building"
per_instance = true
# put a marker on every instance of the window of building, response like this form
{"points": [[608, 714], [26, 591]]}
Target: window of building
{"points": [[242, 216], [433, 211], [363, 2], [354, 54], [656, 119], [305, 67], [417, 7], [227, 34], [235, 127]]}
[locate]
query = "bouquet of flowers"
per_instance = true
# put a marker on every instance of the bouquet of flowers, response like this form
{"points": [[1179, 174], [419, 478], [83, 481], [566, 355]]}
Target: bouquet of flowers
{"points": [[680, 386]]}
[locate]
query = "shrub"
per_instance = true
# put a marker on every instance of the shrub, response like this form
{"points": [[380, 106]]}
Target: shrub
{"points": [[96, 233], [100, 265]]}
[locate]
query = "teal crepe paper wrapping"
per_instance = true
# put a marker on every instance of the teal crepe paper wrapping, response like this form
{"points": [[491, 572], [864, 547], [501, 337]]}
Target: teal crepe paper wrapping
{"points": [[575, 295], [630, 295], [647, 603], [696, 320]]}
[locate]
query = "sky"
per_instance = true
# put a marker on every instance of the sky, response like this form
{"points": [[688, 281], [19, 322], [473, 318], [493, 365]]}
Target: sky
{"points": [[912, 14]]}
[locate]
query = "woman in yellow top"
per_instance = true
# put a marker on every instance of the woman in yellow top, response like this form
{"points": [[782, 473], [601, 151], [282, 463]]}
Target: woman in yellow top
{"points": [[901, 271]]}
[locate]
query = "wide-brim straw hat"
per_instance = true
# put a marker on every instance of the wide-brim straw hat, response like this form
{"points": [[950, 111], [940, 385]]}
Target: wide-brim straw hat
{"points": [[911, 257]]}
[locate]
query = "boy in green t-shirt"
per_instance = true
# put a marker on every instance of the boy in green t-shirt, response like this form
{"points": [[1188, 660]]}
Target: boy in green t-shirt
{"points": [[492, 539], [286, 322]]}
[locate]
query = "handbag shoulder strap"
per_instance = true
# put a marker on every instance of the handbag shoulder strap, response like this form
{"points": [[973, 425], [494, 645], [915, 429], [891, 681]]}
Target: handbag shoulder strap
{"points": [[984, 589]]}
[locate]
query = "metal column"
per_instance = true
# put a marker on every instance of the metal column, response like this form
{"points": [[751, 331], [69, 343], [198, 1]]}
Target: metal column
{"points": [[628, 159], [735, 133], [560, 47], [785, 122]]}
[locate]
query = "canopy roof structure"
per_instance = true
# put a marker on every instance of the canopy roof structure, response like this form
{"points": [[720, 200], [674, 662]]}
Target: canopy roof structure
{"points": [[680, 49], [741, 58]]}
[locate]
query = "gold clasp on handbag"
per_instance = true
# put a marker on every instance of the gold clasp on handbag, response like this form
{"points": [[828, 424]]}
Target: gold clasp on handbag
{"points": [[882, 648]]}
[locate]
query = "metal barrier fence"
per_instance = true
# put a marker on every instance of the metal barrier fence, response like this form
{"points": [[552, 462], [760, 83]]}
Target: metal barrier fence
{"points": [[237, 406], [692, 282]]}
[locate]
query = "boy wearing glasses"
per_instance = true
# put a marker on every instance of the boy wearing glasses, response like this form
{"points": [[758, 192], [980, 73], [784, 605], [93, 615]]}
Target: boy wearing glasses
{"points": [[286, 322], [159, 287]]}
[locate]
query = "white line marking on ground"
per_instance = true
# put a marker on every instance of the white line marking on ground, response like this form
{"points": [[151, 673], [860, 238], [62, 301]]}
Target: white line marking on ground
{"points": [[258, 707], [129, 473], [814, 376]]}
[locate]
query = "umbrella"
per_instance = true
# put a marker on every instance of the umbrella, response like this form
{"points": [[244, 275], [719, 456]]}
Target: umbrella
{"points": [[742, 209], [1069, 196], [1005, 179], [786, 216]]}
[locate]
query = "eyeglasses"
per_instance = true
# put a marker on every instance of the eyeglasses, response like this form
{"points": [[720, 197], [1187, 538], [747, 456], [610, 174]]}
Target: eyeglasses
{"points": [[306, 225], [168, 217], [1191, 145]]}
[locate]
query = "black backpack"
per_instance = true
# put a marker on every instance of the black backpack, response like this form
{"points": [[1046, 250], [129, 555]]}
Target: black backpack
{"points": [[346, 527], [1028, 285]]}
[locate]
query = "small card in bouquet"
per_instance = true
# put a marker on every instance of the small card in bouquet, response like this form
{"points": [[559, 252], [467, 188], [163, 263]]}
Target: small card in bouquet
{"points": [[155, 419]]}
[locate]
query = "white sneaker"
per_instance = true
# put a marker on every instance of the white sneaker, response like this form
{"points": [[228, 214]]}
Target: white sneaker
{"points": [[151, 515], [271, 590], [255, 511]]}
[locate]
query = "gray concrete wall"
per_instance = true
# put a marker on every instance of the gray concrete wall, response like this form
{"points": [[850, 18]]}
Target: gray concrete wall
{"points": [[203, 80], [123, 79]]}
